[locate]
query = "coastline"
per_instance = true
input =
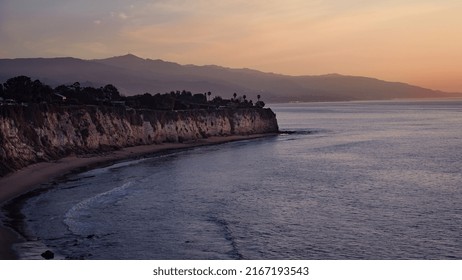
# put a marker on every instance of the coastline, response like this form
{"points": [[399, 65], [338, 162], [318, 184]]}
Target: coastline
{"points": [[32, 176]]}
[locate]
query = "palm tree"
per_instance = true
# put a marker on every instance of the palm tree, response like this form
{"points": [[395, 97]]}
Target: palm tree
{"points": [[235, 95], [209, 93], [258, 97]]}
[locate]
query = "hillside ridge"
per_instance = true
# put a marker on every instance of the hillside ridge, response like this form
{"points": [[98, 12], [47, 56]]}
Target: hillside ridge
{"points": [[134, 75]]}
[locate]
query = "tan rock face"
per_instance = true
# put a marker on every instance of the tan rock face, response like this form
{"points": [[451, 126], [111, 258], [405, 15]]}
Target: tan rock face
{"points": [[44, 132]]}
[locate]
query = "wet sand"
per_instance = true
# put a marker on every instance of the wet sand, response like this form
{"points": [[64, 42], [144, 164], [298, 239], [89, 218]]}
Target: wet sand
{"points": [[30, 177]]}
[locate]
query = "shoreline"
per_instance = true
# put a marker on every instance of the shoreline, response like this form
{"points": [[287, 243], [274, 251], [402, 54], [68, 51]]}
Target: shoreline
{"points": [[31, 177]]}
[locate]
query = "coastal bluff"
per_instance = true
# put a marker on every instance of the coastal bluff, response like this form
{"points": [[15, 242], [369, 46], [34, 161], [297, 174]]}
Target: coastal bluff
{"points": [[44, 132]]}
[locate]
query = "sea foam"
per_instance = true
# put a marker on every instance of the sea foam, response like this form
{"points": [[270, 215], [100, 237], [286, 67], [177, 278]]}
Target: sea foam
{"points": [[78, 218]]}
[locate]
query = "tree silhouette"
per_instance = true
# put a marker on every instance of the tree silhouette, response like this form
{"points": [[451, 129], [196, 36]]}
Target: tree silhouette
{"points": [[260, 104], [24, 90], [18, 87], [76, 86], [111, 92]]}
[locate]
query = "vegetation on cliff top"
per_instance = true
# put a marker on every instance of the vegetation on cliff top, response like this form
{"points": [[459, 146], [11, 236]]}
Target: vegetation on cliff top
{"points": [[45, 124], [23, 90]]}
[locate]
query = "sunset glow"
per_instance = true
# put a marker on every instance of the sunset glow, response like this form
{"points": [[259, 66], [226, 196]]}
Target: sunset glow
{"points": [[412, 41]]}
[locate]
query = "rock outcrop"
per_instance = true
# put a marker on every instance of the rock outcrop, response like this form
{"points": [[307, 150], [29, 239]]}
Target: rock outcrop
{"points": [[35, 133]]}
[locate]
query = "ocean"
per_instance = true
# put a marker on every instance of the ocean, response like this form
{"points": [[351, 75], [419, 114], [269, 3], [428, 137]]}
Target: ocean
{"points": [[349, 180]]}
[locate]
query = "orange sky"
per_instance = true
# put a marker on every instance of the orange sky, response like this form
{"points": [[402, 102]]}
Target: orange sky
{"points": [[411, 41]]}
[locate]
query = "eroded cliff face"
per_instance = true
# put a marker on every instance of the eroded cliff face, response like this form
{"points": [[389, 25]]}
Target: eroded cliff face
{"points": [[43, 132]]}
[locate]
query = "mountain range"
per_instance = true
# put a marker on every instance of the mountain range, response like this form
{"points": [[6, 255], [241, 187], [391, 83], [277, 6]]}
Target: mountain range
{"points": [[133, 75]]}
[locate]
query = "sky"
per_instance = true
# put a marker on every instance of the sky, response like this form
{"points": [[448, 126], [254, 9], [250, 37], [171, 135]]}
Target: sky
{"points": [[412, 41]]}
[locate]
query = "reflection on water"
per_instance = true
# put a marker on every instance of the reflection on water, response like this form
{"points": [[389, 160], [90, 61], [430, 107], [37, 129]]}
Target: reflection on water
{"points": [[359, 180]]}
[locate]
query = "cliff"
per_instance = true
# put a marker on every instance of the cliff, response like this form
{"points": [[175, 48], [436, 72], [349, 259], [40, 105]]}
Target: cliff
{"points": [[44, 132]]}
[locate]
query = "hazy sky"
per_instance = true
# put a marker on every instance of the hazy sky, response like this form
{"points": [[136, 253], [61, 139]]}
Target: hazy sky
{"points": [[414, 41]]}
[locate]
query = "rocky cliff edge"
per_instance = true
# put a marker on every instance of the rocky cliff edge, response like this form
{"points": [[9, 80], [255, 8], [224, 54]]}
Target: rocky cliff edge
{"points": [[35, 133]]}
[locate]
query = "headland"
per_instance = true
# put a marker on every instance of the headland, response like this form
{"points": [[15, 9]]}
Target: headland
{"points": [[46, 133]]}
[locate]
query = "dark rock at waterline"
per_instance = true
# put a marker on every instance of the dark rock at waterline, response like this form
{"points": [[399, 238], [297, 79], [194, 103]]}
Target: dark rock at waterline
{"points": [[48, 255]]}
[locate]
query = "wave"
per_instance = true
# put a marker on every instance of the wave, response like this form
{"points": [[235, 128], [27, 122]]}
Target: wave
{"points": [[228, 235], [102, 170], [78, 217]]}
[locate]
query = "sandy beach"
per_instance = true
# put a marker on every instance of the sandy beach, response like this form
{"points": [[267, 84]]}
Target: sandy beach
{"points": [[29, 178]]}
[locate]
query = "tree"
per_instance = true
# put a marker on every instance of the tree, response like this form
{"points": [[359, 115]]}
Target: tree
{"points": [[64, 90], [217, 100], [245, 97], [258, 97], [111, 92], [260, 104], [209, 93], [17, 84], [1, 90], [235, 95], [23, 89], [76, 86], [199, 98], [40, 92], [18, 88]]}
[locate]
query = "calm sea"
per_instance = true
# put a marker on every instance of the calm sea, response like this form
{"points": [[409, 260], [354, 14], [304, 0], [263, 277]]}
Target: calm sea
{"points": [[357, 180]]}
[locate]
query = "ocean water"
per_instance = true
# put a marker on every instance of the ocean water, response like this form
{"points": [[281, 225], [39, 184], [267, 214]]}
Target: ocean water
{"points": [[356, 180]]}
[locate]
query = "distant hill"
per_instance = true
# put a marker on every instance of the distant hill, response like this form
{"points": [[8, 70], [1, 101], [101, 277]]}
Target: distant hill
{"points": [[134, 75]]}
